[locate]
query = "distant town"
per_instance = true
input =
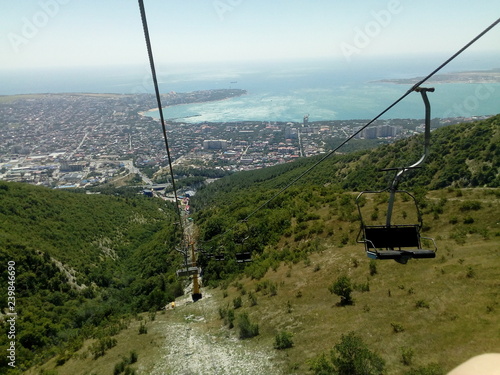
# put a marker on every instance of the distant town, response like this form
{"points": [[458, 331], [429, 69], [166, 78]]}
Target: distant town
{"points": [[88, 140]]}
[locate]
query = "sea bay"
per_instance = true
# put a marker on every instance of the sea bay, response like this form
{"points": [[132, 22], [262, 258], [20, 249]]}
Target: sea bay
{"points": [[282, 90]]}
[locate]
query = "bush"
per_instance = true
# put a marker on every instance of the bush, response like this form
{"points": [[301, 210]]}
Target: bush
{"points": [[342, 287], [283, 340], [321, 365], [422, 304], [406, 356], [353, 357], [133, 356], [252, 299], [99, 348], [237, 302], [397, 327], [246, 327], [350, 356], [229, 320], [470, 273]]}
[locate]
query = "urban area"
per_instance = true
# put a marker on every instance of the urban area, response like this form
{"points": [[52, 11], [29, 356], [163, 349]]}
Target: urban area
{"points": [[86, 140]]}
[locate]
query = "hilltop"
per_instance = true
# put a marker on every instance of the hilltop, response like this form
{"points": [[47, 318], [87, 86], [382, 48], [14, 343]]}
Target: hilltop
{"points": [[96, 271]]}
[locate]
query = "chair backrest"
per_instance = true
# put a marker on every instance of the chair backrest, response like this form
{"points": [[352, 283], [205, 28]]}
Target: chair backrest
{"points": [[394, 237], [243, 257]]}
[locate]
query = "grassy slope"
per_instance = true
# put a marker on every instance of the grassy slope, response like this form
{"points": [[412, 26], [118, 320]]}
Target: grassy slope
{"points": [[460, 287]]}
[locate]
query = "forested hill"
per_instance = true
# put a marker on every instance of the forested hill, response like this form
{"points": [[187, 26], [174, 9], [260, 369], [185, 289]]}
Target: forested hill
{"points": [[462, 155], [81, 262]]}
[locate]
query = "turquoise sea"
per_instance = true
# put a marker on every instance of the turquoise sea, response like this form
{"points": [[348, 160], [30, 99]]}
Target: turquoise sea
{"points": [[284, 90]]}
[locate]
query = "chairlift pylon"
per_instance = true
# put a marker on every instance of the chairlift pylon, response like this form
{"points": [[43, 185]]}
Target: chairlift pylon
{"points": [[400, 242]]}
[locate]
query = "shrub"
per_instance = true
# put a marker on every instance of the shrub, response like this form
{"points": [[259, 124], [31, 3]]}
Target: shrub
{"points": [[133, 356], [422, 304], [246, 327], [273, 289], [363, 287], [352, 356], [252, 299], [470, 206], [98, 349], [469, 220], [229, 320], [237, 302], [283, 340], [470, 272], [119, 368], [143, 329], [342, 287], [321, 365], [373, 267], [406, 356], [396, 327]]}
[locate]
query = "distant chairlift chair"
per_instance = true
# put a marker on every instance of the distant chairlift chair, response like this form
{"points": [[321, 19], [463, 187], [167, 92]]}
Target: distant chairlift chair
{"points": [[396, 241], [243, 256]]}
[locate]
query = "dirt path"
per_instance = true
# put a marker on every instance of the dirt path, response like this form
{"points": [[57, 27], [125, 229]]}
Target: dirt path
{"points": [[191, 348]]}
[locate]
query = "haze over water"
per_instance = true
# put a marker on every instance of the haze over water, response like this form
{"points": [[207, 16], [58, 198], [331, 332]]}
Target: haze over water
{"points": [[283, 91]]}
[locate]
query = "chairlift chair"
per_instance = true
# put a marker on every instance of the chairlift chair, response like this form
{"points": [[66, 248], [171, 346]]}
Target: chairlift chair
{"points": [[400, 242], [243, 257]]}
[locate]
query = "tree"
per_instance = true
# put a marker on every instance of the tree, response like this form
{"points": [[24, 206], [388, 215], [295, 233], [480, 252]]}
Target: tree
{"points": [[352, 356], [343, 288]]}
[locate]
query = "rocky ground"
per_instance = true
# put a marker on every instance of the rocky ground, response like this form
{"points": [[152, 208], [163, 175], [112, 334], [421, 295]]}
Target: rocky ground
{"points": [[192, 348]]}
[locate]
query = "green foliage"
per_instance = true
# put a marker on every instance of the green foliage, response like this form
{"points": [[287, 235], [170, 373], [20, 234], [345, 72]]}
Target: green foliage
{"points": [[88, 260], [407, 356], [123, 367], [237, 302], [421, 304], [350, 356], [322, 365], [343, 288], [283, 340], [252, 298], [99, 348], [247, 329], [397, 327]]}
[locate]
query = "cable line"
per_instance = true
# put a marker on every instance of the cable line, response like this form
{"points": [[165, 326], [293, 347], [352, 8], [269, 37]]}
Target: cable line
{"points": [[413, 88], [160, 107], [373, 120]]}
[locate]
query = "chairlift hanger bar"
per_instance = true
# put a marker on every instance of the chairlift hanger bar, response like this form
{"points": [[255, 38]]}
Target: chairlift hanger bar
{"points": [[427, 137]]}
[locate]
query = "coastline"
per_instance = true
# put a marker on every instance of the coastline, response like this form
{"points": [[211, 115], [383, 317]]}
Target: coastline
{"points": [[474, 77], [144, 113]]}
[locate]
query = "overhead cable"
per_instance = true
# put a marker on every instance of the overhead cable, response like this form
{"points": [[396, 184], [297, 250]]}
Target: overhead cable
{"points": [[330, 153], [160, 108]]}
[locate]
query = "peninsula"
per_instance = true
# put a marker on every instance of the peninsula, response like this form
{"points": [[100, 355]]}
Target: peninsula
{"points": [[478, 76]]}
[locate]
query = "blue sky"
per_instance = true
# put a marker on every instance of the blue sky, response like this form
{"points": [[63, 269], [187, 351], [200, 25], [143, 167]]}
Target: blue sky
{"points": [[53, 33]]}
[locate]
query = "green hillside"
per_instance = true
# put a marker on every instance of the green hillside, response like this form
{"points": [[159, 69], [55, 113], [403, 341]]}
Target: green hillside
{"points": [[81, 262], [462, 156], [92, 271]]}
